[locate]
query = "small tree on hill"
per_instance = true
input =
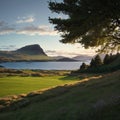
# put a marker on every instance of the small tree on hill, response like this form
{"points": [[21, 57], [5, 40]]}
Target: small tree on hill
{"points": [[106, 59], [92, 63], [83, 67], [97, 61], [117, 55]]}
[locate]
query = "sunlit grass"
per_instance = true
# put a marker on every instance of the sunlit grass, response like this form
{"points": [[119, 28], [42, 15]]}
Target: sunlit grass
{"points": [[17, 85]]}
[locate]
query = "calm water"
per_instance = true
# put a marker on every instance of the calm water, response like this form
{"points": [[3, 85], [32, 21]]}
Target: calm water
{"points": [[43, 65]]}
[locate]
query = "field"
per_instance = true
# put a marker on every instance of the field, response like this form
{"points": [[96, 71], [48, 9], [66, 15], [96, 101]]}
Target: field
{"points": [[14, 85], [96, 97]]}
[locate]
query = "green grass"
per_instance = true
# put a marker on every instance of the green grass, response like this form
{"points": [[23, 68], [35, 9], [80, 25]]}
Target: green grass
{"points": [[13, 85], [95, 99]]}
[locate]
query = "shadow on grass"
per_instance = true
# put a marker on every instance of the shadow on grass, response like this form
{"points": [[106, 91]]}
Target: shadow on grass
{"points": [[68, 77]]}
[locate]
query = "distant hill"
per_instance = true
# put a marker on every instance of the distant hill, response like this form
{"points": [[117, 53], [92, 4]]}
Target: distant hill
{"points": [[82, 57], [26, 53], [35, 53], [58, 57], [66, 59], [31, 50]]}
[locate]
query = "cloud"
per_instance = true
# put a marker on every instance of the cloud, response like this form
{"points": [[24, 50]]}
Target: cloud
{"points": [[6, 31], [69, 53], [7, 47], [5, 28], [37, 30], [61, 53], [31, 30], [29, 19]]}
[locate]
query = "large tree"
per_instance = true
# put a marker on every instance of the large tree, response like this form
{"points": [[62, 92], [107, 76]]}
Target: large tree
{"points": [[91, 23]]}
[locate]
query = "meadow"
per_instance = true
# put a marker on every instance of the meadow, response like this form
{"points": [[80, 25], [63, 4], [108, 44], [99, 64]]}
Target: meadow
{"points": [[59, 95], [14, 85], [92, 98]]}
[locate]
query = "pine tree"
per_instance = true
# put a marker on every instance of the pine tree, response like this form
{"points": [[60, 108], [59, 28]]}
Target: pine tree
{"points": [[92, 63], [97, 61], [90, 22], [83, 67], [106, 59]]}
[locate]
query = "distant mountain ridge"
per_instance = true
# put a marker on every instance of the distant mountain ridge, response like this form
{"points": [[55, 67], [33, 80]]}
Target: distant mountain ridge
{"points": [[66, 59], [31, 50], [26, 53], [36, 53], [82, 57]]}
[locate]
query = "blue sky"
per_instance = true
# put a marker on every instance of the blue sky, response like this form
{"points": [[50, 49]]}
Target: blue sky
{"points": [[25, 22]]}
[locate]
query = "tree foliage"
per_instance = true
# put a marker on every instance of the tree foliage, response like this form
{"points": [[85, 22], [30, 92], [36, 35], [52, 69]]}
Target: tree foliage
{"points": [[91, 23], [83, 66], [110, 63], [92, 63], [106, 59], [96, 61]]}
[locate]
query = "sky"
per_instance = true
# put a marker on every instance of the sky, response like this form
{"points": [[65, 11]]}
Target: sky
{"points": [[25, 22]]}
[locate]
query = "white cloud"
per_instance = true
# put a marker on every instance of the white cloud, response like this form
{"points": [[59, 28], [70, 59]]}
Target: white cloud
{"points": [[5, 28], [37, 30], [29, 19], [67, 53]]}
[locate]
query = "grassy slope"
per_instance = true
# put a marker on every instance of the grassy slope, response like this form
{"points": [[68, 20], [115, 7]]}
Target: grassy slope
{"points": [[17, 85], [95, 99]]}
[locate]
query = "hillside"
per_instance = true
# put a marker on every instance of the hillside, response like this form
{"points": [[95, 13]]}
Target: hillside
{"points": [[35, 53], [31, 50], [96, 97], [26, 53]]}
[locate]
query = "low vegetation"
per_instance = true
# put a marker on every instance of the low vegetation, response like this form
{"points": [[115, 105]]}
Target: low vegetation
{"points": [[93, 98]]}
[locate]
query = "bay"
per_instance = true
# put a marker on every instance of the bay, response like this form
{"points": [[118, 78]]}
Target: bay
{"points": [[43, 65]]}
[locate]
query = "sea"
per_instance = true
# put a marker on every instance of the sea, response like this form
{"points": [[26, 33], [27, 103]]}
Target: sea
{"points": [[54, 65]]}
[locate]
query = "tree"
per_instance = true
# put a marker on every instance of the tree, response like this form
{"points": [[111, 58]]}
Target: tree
{"points": [[92, 63], [114, 57], [106, 59], [83, 67], [91, 23], [97, 61]]}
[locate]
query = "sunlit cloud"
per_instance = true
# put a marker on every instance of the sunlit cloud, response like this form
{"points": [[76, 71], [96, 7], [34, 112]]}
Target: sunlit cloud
{"points": [[29, 19], [67, 53], [37, 30], [31, 30]]}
